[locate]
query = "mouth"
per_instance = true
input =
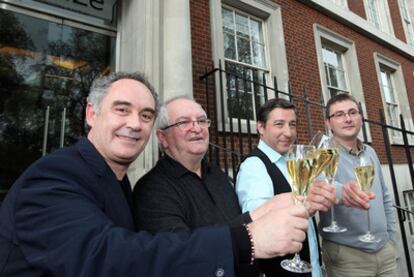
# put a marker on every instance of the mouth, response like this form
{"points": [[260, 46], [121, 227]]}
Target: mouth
{"points": [[196, 139], [128, 138]]}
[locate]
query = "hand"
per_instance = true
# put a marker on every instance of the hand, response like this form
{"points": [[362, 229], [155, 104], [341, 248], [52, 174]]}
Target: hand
{"points": [[277, 202], [280, 232], [321, 197], [353, 196]]}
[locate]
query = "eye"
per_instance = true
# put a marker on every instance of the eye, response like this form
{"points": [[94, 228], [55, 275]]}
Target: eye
{"points": [[278, 124], [147, 116], [339, 115], [121, 110], [183, 123], [292, 124]]}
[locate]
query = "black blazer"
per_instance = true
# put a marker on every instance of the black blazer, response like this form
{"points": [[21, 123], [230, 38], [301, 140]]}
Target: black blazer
{"points": [[68, 216]]}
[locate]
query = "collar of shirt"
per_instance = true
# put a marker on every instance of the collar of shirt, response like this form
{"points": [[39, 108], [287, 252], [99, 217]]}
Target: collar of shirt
{"points": [[275, 157], [360, 146], [176, 169]]}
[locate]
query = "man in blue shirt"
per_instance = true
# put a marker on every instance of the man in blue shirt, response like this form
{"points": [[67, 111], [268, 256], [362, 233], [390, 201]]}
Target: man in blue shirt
{"points": [[263, 174]]}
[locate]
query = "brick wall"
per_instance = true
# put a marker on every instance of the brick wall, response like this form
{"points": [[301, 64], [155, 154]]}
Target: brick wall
{"points": [[298, 20]]}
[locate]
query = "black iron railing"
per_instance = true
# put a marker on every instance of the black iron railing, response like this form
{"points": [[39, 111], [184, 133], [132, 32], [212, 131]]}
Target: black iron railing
{"points": [[233, 137]]}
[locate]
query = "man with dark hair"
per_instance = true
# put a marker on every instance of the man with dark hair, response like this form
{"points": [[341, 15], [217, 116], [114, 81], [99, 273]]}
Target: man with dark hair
{"points": [[344, 253], [264, 173], [70, 213]]}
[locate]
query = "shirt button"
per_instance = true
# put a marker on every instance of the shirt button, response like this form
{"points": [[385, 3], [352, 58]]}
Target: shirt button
{"points": [[220, 272]]}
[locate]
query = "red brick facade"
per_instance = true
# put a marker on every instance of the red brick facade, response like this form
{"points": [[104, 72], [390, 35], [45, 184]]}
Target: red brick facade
{"points": [[298, 21]]}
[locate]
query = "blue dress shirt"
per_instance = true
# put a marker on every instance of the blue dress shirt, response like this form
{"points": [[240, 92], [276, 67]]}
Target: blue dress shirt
{"points": [[254, 187]]}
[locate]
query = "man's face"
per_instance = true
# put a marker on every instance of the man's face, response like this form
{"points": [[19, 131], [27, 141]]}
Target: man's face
{"points": [[279, 131], [120, 130], [184, 143], [345, 120]]}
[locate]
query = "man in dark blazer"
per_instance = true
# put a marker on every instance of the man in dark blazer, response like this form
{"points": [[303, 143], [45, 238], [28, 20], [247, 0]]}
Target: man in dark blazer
{"points": [[70, 213]]}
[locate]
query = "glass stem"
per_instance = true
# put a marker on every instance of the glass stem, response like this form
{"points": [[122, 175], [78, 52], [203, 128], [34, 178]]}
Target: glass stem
{"points": [[296, 259], [369, 222], [333, 222], [333, 215]]}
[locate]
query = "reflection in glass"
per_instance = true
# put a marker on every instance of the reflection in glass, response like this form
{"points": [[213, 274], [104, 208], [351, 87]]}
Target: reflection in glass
{"points": [[44, 66]]}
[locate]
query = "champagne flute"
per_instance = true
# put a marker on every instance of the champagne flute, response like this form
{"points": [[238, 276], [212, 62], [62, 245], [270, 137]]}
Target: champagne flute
{"points": [[301, 160], [329, 145], [365, 174]]}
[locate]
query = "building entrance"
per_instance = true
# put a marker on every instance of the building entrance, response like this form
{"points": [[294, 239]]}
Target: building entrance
{"points": [[46, 69]]}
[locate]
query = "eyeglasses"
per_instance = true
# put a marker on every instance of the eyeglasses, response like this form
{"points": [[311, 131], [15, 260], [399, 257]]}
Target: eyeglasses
{"points": [[186, 125], [341, 115]]}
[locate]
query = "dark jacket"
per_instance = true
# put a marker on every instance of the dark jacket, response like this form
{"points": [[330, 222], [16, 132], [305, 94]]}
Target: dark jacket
{"points": [[172, 198], [68, 216]]}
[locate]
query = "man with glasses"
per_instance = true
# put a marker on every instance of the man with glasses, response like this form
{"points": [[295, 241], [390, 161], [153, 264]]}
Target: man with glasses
{"points": [[182, 191], [343, 253]]}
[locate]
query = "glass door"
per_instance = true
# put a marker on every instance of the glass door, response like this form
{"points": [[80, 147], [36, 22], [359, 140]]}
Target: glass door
{"points": [[46, 69]]}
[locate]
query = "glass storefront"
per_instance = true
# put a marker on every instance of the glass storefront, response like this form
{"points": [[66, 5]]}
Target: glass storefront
{"points": [[46, 68]]}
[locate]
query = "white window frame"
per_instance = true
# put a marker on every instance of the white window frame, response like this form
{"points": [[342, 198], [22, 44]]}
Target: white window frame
{"points": [[325, 36], [276, 57], [335, 48], [398, 83], [383, 13], [407, 205], [340, 3], [407, 21], [235, 62]]}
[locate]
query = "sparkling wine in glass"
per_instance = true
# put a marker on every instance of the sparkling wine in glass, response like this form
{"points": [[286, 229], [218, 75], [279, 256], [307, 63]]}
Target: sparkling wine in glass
{"points": [[301, 164], [331, 147], [365, 174]]}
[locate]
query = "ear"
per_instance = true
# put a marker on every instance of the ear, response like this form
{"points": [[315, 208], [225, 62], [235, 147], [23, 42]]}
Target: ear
{"points": [[162, 138], [261, 126], [90, 115]]}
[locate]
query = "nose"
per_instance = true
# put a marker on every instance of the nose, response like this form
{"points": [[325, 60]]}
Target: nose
{"points": [[133, 122], [347, 117], [195, 127]]}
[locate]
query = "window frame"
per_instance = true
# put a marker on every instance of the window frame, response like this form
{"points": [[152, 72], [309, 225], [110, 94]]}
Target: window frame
{"points": [[408, 27], [383, 14], [353, 77], [248, 66], [410, 216], [270, 14], [383, 62], [341, 3]]}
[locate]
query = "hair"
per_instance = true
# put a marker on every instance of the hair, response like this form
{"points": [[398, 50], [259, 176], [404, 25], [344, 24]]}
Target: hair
{"points": [[163, 120], [270, 105], [338, 98], [101, 85]]}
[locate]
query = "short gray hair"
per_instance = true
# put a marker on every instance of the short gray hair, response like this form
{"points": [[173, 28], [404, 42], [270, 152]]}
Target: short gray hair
{"points": [[163, 120], [100, 86]]}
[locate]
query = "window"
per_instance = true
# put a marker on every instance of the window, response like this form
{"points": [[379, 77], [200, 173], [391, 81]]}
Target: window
{"points": [[338, 66], [391, 105], [47, 65], [407, 21], [379, 15], [245, 60], [242, 31], [409, 204], [393, 94], [334, 70]]}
